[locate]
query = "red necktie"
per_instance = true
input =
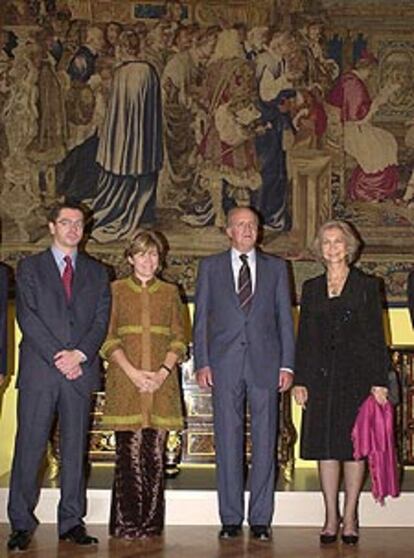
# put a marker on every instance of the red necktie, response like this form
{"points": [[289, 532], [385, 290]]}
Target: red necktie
{"points": [[67, 277]]}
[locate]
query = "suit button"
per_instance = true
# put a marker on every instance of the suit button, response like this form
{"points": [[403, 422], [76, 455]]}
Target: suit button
{"points": [[71, 323], [243, 343]]}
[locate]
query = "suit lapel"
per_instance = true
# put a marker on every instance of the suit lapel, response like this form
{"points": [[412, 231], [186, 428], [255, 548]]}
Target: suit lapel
{"points": [[53, 272], [260, 271], [228, 280], [79, 278]]}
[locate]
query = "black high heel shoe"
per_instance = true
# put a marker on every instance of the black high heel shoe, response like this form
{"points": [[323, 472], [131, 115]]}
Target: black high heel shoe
{"points": [[353, 538], [330, 538], [350, 539]]}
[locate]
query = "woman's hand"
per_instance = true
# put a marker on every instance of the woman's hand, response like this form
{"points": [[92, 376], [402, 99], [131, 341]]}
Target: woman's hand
{"points": [[380, 393], [157, 379], [300, 393], [142, 379]]}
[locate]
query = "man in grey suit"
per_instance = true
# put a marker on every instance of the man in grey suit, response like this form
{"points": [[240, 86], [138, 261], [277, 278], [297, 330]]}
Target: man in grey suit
{"points": [[244, 350], [4, 285], [62, 307]]}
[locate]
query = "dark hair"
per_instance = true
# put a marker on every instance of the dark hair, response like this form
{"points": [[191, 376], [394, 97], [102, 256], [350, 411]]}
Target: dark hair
{"points": [[55, 210]]}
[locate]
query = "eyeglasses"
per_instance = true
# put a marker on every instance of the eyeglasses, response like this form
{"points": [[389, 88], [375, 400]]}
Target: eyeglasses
{"points": [[67, 224]]}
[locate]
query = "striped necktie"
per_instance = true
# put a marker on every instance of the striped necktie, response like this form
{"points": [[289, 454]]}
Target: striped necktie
{"points": [[67, 277], [245, 290]]}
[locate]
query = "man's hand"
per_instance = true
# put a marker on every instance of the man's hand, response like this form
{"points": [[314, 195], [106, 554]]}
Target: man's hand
{"points": [[285, 380], [74, 373], [66, 361], [204, 377], [2, 377]]}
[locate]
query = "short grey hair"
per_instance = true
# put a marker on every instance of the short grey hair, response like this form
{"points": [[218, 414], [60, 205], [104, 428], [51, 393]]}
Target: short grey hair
{"points": [[234, 210]]}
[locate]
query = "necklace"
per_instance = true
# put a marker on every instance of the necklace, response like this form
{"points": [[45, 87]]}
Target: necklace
{"points": [[336, 284]]}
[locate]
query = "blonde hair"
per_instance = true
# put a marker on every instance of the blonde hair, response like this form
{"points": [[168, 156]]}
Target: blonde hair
{"points": [[144, 240], [352, 239]]}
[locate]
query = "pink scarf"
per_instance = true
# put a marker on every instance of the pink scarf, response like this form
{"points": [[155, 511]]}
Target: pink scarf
{"points": [[373, 437]]}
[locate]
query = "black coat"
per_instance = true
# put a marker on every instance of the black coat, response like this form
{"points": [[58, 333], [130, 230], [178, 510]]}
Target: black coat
{"points": [[341, 353]]}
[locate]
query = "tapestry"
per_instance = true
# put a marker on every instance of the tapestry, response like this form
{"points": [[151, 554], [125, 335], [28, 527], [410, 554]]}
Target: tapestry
{"points": [[166, 114]]}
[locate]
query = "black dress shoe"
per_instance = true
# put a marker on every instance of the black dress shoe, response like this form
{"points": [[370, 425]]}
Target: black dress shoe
{"points": [[19, 540], [78, 535], [229, 531], [260, 532]]}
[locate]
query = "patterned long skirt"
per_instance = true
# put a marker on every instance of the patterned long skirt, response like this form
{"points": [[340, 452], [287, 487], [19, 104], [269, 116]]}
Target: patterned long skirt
{"points": [[137, 508]]}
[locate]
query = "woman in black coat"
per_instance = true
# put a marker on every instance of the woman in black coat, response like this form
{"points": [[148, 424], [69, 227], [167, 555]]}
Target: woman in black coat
{"points": [[341, 359]]}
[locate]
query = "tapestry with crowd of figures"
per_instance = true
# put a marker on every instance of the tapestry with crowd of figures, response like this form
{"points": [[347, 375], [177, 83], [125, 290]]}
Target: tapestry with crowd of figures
{"points": [[166, 114]]}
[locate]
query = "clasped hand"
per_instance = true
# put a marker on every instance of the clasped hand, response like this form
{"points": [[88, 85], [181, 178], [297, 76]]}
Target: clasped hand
{"points": [[147, 381], [68, 363]]}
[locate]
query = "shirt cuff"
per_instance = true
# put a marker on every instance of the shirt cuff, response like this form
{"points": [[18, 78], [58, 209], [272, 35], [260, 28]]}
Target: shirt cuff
{"points": [[84, 358], [288, 370]]}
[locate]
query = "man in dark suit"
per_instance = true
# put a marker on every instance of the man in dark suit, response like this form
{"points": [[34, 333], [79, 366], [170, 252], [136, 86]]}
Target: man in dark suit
{"points": [[4, 285], [62, 307], [244, 349], [410, 292]]}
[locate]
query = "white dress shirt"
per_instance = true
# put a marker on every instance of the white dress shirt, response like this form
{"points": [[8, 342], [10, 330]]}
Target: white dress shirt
{"points": [[236, 264]]}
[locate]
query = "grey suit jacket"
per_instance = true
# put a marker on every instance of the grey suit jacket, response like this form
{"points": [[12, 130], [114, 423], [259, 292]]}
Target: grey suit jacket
{"points": [[230, 341], [49, 324]]}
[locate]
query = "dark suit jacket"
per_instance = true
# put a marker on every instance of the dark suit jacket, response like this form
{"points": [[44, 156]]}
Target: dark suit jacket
{"points": [[49, 324], [3, 318], [410, 289], [228, 340]]}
